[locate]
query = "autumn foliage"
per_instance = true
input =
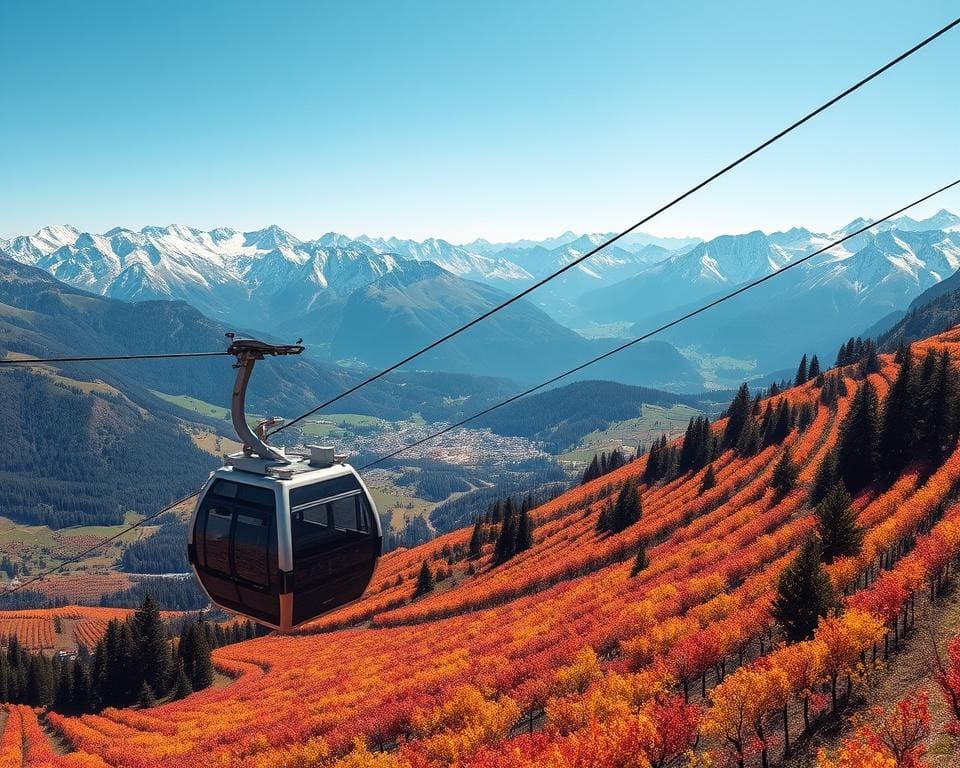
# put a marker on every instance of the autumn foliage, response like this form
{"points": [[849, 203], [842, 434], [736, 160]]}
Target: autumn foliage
{"points": [[559, 657]]}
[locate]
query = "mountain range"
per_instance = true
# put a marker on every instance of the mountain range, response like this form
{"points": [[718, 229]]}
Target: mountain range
{"points": [[367, 301], [350, 301]]}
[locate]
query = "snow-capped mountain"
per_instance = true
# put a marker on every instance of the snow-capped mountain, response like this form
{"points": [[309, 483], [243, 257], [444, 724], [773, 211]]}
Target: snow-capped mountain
{"points": [[454, 258], [236, 276], [851, 286], [275, 281]]}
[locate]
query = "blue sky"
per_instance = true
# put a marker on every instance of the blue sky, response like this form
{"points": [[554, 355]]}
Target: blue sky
{"points": [[456, 119]]}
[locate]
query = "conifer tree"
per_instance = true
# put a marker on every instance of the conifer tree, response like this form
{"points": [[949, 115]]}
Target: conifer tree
{"points": [[750, 441], [837, 525], [605, 518], [657, 461], [899, 435], [784, 474], [903, 353], [814, 370], [524, 531], [871, 361], [202, 676], [738, 415], [709, 479], [83, 696], [476, 541], [181, 685], [942, 413], [804, 593], [63, 698], [628, 508], [857, 457], [152, 652], [424, 581], [640, 561], [39, 683], [802, 375], [825, 478]]}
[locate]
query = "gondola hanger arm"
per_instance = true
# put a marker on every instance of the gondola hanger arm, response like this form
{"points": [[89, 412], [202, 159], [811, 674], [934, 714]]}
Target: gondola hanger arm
{"points": [[247, 353]]}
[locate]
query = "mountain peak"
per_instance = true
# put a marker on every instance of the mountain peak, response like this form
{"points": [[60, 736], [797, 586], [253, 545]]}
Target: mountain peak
{"points": [[57, 235], [269, 238]]}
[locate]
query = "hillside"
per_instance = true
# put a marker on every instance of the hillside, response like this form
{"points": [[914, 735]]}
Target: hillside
{"points": [[932, 312], [574, 653]]}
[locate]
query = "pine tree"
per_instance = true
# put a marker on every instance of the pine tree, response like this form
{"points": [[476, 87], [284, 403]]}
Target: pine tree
{"points": [[738, 415], [871, 361], [616, 460], [814, 370], [424, 581], [640, 561], [657, 461], [628, 508], [605, 518], [825, 478], [837, 525], [784, 474], [709, 479], [63, 698], [750, 441], [903, 353], [857, 458], [152, 652], [524, 531], [146, 698], [39, 684], [181, 686], [83, 697], [804, 593], [941, 426], [202, 676], [476, 541], [899, 434], [802, 376]]}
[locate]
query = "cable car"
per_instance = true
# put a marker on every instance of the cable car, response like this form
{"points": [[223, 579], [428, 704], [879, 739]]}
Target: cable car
{"points": [[281, 538]]}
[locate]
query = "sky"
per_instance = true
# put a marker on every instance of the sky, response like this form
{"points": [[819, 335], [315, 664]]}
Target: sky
{"points": [[503, 119]]}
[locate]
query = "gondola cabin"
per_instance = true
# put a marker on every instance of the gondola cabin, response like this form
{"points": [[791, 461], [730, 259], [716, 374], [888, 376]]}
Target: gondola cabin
{"points": [[284, 543]]}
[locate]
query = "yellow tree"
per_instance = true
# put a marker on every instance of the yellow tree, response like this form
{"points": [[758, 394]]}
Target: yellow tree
{"points": [[803, 664], [845, 638]]}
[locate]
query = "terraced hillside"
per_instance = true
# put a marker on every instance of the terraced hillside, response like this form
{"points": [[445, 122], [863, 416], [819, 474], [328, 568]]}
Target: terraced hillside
{"points": [[577, 652]]}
